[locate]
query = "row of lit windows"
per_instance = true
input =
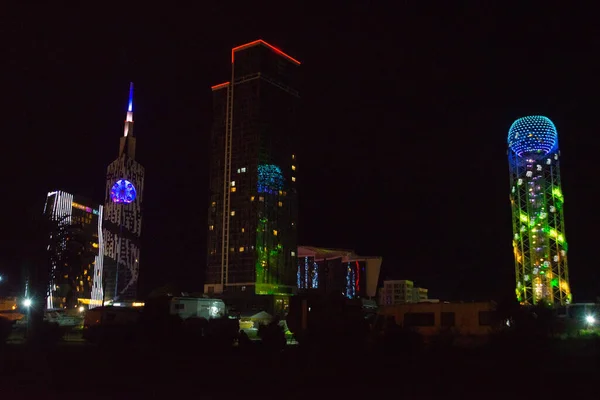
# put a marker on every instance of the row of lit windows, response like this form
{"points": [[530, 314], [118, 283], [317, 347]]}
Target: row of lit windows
{"points": [[212, 228], [243, 249]]}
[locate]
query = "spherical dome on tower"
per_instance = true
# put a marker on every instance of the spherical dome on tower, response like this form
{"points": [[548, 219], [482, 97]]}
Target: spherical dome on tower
{"points": [[533, 134]]}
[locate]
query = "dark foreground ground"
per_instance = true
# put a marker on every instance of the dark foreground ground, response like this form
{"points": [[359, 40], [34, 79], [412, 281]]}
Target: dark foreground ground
{"points": [[82, 371]]}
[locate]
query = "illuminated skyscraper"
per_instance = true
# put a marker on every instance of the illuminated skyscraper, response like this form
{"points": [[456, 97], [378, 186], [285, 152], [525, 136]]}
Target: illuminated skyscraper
{"points": [[537, 201], [252, 241], [78, 251], [122, 221]]}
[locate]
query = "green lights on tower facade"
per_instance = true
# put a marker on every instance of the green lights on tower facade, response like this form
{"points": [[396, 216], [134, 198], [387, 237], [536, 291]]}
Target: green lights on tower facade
{"points": [[539, 243]]}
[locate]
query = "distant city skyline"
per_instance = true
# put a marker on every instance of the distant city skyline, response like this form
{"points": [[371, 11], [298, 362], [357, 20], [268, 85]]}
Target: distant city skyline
{"points": [[403, 145]]}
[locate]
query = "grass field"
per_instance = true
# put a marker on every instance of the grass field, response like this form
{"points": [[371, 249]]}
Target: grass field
{"points": [[137, 371]]}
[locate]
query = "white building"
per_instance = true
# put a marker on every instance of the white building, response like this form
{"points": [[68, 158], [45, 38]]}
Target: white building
{"points": [[400, 292]]}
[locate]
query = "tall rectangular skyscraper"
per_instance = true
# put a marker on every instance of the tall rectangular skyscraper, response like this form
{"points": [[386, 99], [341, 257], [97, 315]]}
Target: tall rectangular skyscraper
{"points": [[252, 239], [122, 226], [78, 252]]}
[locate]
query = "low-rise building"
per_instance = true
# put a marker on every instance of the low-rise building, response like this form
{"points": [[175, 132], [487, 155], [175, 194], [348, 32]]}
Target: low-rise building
{"points": [[428, 319], [401, 292]]}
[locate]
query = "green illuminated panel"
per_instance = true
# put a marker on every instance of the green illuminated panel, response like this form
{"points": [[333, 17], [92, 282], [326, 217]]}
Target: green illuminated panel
{"points": [[539, 243]]}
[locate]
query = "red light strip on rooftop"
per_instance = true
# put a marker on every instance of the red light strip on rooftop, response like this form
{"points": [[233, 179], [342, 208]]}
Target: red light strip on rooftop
{"points": [[260, 41], [219, 86]]}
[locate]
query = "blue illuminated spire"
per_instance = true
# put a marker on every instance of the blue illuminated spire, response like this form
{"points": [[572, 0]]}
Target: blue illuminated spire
{"points": [[129, 119], [130, 107]]}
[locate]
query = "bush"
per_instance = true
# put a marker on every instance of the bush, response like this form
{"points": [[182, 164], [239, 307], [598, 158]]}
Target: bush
{"points": [[272, 336], [5, 329], [47, 334]]}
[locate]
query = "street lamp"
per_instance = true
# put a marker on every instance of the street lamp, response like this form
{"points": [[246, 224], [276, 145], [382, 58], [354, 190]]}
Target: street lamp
{"points": [[27, 303], [590, 320]]}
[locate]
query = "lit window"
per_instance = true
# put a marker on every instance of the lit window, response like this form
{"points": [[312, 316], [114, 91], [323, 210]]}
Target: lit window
{"points": [[293, 179], [211, 228], [261, 198], [233, 189], [232, 183], [243, 230], [293, 254], [213, 204], [293, 167], [232, 249], [251, 198], [233, 213], [274, 232], [280, 204], [239, 170], [293, 156], [244, 169], [242, 249]]}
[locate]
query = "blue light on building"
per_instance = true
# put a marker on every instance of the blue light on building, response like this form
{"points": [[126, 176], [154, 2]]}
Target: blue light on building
{"points": [[123, 191], [533, 134], [270, 179]]}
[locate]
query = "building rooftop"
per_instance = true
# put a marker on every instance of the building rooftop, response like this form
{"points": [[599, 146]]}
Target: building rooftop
{"points": [[320, 253]]}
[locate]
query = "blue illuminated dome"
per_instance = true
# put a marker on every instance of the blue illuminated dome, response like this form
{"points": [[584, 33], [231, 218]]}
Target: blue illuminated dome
{"points": [[270, 179], [533, 134], [123, 191]]}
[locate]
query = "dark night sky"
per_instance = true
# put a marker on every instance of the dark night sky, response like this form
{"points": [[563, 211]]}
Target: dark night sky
{"points": [[405, 117]]}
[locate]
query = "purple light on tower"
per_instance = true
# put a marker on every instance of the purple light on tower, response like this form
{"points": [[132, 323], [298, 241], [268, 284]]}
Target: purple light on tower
{"points": [[130, 106], [123, 191]]}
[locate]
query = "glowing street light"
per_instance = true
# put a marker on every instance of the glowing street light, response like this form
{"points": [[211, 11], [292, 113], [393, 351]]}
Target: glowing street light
{"points": [[590, 319], [27, 303]]}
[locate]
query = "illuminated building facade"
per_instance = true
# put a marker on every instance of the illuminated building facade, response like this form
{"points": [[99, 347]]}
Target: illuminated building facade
{"points": [[537, 201], [122, 226], [79, 253], [252, 241], [337, 271]]}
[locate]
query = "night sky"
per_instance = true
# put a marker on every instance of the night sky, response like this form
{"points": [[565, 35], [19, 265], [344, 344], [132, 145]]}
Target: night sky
{"points": [[405, 116]]}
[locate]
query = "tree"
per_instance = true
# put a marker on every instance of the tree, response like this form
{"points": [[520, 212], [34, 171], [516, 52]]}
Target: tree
{"points": [[51, 243]]}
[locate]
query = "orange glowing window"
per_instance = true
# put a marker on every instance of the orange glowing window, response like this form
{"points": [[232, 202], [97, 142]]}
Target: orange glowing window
{"points": [[260, 41]]}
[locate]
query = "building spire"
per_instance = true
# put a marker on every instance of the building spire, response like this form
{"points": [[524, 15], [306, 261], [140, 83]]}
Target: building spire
{"points": [[129, 120]]}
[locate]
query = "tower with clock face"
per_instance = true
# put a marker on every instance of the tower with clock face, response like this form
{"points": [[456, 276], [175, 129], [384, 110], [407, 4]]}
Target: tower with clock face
{"points": [[117, 279]]}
